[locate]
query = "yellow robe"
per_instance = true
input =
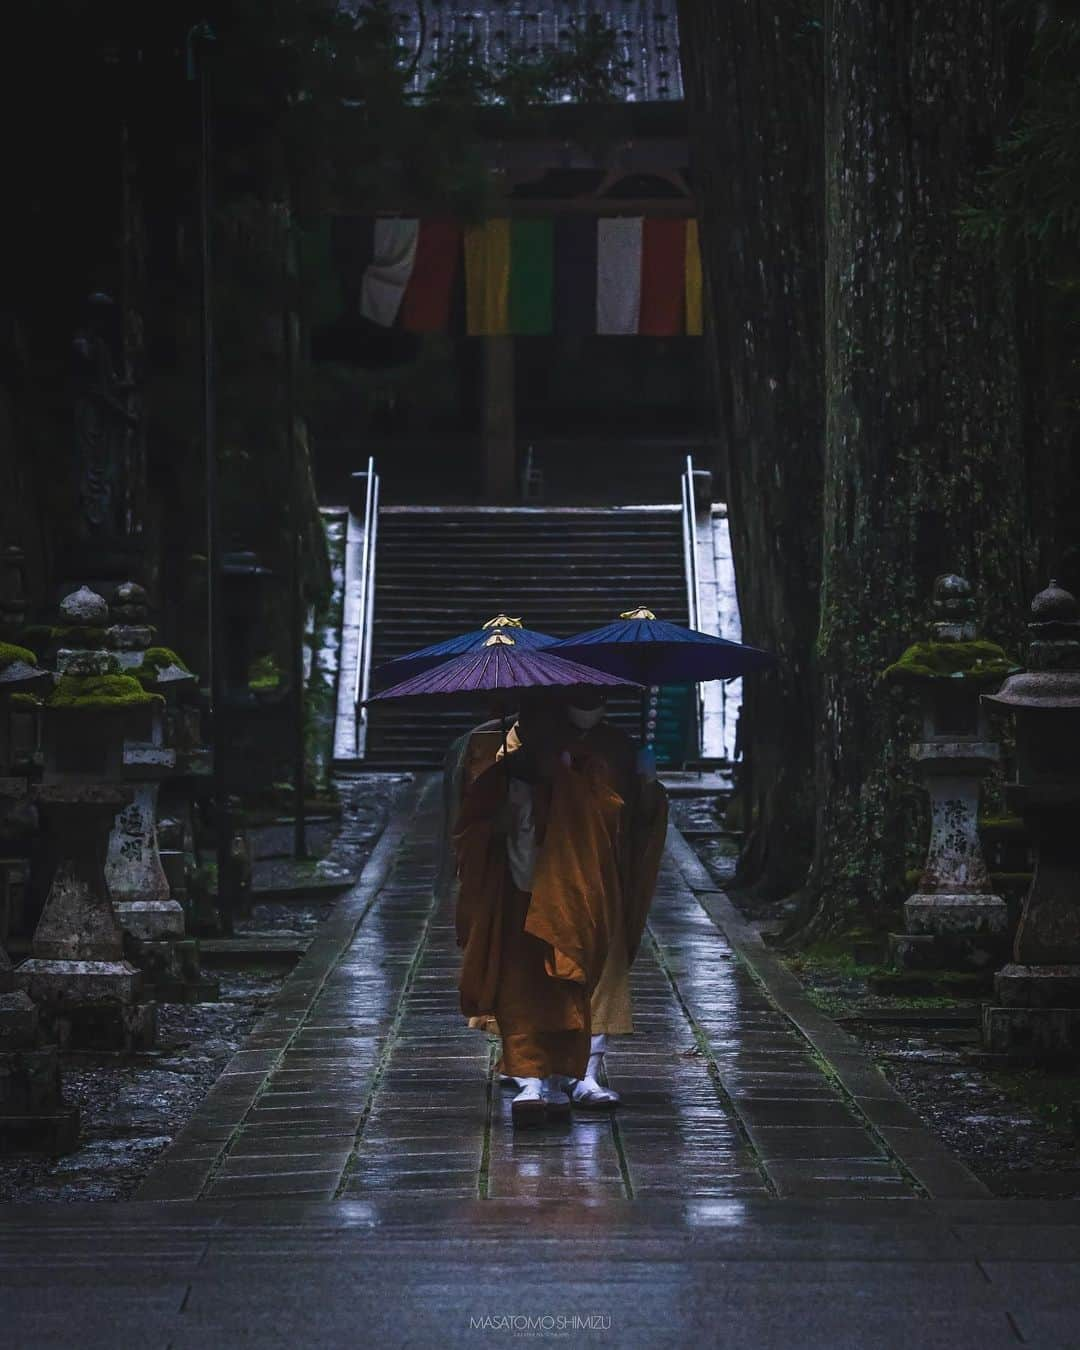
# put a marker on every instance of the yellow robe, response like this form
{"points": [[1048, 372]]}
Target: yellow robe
{"points": [[638, 846]]}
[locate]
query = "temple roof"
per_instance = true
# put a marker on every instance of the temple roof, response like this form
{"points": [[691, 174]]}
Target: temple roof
{"points": [[647, 35]]}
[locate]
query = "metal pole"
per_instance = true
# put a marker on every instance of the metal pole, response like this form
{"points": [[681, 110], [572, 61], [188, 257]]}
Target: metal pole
{"points": [[296, 578], [203, 34]]}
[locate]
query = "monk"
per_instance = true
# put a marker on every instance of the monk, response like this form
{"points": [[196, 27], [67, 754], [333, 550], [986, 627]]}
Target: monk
{"points": [[558, 846]]}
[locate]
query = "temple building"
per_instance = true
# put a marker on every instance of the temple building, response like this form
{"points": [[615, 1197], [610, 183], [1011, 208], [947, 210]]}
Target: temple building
{"points": [[551, 349]]}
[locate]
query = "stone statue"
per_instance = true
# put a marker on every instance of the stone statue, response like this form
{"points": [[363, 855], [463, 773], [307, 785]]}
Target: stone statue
{"points": [[104, 423]]}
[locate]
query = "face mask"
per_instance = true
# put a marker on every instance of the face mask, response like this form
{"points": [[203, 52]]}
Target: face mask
{"points": [[586, 718]]}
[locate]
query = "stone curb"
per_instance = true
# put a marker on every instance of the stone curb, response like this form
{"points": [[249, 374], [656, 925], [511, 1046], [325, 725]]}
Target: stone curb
{"points": [[186, 1165], [942, 1175]]}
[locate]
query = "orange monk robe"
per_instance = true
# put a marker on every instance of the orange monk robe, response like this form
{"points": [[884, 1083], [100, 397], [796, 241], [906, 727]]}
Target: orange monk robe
{"points": [[510, 971], [600, 833]]}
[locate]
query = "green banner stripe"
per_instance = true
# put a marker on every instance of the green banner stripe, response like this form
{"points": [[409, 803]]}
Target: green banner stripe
{"points": [[531, 276]]}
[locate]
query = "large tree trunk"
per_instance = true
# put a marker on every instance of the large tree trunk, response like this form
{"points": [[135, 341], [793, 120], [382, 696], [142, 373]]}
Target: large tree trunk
{"points": [[753, 72], [924, 458]]}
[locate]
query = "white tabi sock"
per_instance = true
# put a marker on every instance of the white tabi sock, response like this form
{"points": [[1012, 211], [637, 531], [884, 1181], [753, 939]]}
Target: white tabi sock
{"points": [[597, 1047]]}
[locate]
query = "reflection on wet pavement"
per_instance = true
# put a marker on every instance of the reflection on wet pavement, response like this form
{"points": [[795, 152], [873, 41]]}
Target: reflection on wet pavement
{"points": [[364, 1082]]}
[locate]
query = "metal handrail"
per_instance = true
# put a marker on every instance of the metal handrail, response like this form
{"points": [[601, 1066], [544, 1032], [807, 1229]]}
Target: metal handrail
{"points": [[693, 581], [366, 607]]}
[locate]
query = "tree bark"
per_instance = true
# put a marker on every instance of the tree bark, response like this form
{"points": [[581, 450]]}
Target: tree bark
{"points": [[924, 446], [753, 74]]}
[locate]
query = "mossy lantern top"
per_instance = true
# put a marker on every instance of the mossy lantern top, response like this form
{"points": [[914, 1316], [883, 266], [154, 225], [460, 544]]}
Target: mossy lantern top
{"points": [[19, 672], [954, 652], [89, 681]]}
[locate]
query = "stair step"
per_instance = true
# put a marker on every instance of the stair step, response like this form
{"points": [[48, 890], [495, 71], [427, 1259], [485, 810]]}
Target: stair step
{"points": [[444, 571]]}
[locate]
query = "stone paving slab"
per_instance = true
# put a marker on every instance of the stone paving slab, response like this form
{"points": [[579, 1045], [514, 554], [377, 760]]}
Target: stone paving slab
{"points": [[750, 1272], [362, 1080]]}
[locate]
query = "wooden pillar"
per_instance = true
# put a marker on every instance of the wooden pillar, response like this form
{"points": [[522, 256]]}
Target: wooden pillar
{"points": [[500, 460]]}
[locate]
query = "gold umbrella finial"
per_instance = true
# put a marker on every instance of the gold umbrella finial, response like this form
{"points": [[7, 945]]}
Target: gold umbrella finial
{"points": [[640, 613], [500, 640], [503, 621]]}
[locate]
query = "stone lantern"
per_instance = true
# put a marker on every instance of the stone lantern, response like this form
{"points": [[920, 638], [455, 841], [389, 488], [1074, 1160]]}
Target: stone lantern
{"points": [[137, 883], [90, 995], [33, 1113], [954, 919], [1037, 1013], [142, 897]]}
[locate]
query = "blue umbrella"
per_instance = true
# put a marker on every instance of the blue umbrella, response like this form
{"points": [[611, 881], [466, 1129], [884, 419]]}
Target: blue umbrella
{"points": [[649, 650], [427, 658]]}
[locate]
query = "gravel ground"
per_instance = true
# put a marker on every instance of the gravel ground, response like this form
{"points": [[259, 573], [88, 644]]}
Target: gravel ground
{"points": [[131, 1110], [1005, 1141]]}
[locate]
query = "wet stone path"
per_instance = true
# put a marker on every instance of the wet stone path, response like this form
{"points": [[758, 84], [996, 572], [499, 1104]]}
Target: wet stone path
{"points": [[363, 1082]]}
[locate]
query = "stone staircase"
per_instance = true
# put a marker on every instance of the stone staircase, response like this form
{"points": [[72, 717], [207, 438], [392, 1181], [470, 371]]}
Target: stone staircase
{"points": [[445, 570]]}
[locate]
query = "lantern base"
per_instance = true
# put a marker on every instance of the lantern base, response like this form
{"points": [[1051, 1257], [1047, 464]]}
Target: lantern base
{"points": [[150, 920], [1037, 1016], [34, 1118], [951, 931], [956, 915], [173, 971], [90, 1005]]}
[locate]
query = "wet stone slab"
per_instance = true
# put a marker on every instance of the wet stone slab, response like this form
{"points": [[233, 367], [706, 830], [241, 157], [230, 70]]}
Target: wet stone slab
{"points": [[364, 1083]]}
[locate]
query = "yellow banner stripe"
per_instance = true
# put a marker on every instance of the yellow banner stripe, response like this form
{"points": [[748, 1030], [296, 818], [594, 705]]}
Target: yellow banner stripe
{"points": [[487, 278]]}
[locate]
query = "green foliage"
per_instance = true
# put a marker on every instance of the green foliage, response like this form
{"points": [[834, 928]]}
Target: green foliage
{"points": [[10, 653], [978, 660], [99, 693], [1031, 191]]}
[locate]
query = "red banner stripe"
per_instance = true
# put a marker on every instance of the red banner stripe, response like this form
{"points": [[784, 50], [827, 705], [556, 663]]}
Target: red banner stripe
{"points": [[426, 304], [663, 278]]}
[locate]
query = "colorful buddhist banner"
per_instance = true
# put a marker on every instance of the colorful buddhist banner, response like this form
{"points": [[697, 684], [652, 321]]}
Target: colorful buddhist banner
{"points": [[531, 276]]}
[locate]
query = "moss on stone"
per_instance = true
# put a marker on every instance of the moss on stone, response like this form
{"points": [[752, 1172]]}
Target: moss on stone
{"points": [[24, 699], [155, 660], [978, 660], [10, 653], [264, 673], [99, 693], [75, 635], [1002, 825]]}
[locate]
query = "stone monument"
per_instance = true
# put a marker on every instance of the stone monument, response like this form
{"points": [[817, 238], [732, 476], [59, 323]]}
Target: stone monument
{"points": [[90, 995], [33, 1113], [954, 920], [1036, 1014]]}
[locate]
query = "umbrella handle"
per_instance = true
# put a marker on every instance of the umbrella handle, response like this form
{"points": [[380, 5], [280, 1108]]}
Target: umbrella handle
{"points": [[647, 695]]}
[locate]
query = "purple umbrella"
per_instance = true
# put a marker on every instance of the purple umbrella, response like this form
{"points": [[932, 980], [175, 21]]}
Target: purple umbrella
{"points": [[498, 671], [414, 663]]}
